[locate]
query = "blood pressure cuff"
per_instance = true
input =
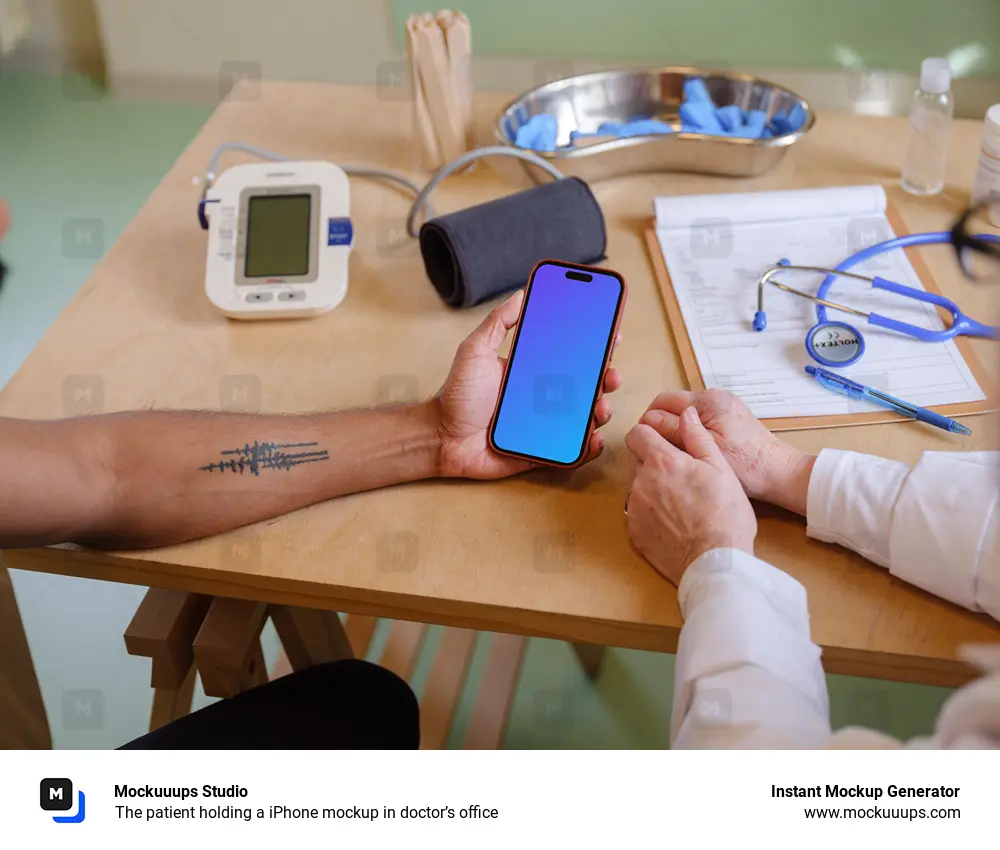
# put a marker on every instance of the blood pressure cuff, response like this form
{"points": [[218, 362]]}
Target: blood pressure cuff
{"points": [[480, 252]]}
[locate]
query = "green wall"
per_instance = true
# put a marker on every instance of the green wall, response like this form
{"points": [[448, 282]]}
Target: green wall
{"points": [[823, 34]]}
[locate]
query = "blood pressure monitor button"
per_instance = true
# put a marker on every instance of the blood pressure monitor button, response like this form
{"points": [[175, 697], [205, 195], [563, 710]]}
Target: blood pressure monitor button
{"points": [[259, 297], [297, 295]]}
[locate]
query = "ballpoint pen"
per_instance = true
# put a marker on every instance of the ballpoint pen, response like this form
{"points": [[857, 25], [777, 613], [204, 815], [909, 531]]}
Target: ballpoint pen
{"points": [[852, 389]]}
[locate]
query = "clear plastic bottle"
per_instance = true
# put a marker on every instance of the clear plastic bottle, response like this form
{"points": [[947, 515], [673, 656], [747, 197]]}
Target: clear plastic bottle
{"points": [[930, 123], [986, 184]]}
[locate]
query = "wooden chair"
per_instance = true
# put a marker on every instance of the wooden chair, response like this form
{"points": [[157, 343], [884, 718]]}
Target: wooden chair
{"points": [[186, 634]]}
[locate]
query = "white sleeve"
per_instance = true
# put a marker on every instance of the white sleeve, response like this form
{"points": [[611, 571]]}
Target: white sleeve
{"points": [[935, 526], [747, 673]]}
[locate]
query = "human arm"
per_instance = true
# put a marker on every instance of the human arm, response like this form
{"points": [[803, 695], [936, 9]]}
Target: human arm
{"points": [[934, 525], [747, 673], [134, 480], [143, 479]]}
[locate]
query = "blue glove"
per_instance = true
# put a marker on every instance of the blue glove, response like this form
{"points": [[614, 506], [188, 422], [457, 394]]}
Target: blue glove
{"points": [[702, 115], [644, 127], [779, 124], [538, 134], [753, 127], [797, 117], [695, 91], [730, 117], [635, 127], [782, 124]]}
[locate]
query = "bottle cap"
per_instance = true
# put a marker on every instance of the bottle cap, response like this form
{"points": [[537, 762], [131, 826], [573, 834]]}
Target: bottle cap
{"points": [[935, 75]]}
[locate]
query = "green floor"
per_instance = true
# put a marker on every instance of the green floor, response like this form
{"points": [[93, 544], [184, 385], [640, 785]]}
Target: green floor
{"points": [[75, 166]]}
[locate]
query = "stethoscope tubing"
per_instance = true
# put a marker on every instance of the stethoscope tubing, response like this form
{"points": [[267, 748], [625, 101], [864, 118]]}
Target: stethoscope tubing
{"points": [[934, 237]]}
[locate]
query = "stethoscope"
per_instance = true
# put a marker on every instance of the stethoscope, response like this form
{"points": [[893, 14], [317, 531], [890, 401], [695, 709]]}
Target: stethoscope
{"points": [[838, 344]]}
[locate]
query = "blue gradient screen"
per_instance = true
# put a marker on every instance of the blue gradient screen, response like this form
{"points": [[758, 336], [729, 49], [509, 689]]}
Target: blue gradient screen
{"points": [[556, 365]]}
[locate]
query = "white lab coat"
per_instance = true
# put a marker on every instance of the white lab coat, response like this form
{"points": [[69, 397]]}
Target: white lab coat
{"points": [[747, 672]]}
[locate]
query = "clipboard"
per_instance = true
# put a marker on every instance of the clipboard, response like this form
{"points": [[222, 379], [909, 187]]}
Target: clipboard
{"points": [[696, 381]]}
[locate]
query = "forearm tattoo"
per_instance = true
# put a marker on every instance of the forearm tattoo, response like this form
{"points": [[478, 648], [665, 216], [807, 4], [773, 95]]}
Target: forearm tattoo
{"points": [[254, 458]]}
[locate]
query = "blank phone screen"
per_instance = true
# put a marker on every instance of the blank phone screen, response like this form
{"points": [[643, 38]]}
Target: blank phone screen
{"points": [[555, 366]]}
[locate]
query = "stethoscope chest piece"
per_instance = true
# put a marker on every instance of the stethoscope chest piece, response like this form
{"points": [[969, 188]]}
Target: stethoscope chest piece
{"points": [[835, 344]]}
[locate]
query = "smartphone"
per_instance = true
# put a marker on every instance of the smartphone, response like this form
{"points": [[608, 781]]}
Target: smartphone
{"points": [[555, 371]]}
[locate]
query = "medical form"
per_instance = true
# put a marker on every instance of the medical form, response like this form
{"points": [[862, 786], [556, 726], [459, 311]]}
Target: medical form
{"points": [[717, 246]]}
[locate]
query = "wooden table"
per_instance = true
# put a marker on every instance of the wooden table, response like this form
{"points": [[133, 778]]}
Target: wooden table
{"points": [[543, 554]]}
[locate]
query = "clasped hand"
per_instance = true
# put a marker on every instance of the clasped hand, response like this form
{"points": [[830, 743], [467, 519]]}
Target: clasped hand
{"points": [[700, 456]]}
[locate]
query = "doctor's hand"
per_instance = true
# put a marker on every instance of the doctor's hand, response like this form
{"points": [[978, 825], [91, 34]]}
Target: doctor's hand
{"points": [[685, 501], [769, 469], [469, 396]]}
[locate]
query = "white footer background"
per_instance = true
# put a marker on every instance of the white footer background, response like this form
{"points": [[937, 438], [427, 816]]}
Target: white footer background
{"points": [[543, 799]]}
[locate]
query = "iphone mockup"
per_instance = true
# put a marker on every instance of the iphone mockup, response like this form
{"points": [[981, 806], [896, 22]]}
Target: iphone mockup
{"points": [[555, 371]]}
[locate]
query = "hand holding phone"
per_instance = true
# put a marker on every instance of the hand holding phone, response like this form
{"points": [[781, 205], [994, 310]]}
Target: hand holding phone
{"points": [[555, 372], [466, 404]]}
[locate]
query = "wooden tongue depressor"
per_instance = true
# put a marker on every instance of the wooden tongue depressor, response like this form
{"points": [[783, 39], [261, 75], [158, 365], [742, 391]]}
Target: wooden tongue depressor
{"points": [[435, 75], [423, 128], [458, 39]]}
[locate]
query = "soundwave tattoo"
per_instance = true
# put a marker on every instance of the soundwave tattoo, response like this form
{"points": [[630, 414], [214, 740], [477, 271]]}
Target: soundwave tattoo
{"points": [[254, 458]]}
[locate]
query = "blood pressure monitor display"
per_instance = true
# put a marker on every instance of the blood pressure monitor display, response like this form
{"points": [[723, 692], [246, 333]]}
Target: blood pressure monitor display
{"points": [[279, 240], [279, 229]]}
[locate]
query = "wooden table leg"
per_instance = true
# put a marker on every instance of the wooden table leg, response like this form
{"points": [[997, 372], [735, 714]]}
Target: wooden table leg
{"points": [[496, 693], [310, 637], [23, 723], [227, 648], [402, 649], [360, 631], [170, 705], [163, 629], [591, 657], [444, 687]]}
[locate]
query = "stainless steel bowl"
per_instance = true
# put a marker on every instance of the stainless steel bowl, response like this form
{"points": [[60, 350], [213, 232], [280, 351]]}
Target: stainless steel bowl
{"points": [[585, 102]]}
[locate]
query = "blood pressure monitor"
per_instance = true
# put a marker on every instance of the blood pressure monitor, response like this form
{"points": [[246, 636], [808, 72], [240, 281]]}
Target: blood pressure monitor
{"points": [[279, 239]]}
